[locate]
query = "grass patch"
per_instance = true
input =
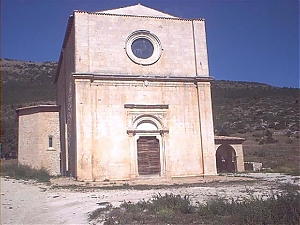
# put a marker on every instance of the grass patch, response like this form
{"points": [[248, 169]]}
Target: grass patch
{"points": [[160, 209], [284, 169], [288, 187], [277, 209], [282, 208], [25, 172], [126, 186]]}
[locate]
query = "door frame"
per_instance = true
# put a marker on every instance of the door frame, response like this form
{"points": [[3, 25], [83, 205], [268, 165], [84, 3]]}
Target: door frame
{"points": [[134, 133], [161, 153], [159, 147]]}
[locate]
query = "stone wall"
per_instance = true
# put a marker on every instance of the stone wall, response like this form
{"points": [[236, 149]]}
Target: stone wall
{"points": [[100, 45], [105, 150], [95, 123], [36, 125], [65, 98], [253, 166]]}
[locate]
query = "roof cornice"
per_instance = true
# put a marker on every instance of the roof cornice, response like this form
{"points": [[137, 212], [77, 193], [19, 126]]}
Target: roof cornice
{"points": [[153, 17]]}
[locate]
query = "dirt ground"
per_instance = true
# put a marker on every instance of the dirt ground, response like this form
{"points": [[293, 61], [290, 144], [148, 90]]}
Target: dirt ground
{"points": [[66, 201]]}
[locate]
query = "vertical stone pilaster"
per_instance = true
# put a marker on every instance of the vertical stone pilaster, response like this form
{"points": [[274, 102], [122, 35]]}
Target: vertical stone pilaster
{"points": [[82, 50], [206, 128], [133, 157], [164, 136], [84, 131], [201, 57]]}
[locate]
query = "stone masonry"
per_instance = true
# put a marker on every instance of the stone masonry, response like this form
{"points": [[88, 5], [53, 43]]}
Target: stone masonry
{"points": [[134, 100], [36, 125]]}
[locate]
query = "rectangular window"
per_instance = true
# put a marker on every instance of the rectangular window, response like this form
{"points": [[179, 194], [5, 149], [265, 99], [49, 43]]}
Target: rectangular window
{"points": [[50, 142]]}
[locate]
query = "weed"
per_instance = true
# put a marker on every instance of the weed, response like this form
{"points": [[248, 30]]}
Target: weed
{"points": [[281, 208], [25, 172], [172, 202], [286, 169], [99, 214], [288, 187], [278, 209]]}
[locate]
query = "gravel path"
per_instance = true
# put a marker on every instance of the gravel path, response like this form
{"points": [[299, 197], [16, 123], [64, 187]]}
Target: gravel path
{"points": [[24, 202]]}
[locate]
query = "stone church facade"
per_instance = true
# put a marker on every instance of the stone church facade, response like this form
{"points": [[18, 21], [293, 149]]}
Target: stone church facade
{"points": [[133, 100]]}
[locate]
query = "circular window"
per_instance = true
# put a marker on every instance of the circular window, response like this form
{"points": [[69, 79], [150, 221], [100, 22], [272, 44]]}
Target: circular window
{"points": [[143, 47]]}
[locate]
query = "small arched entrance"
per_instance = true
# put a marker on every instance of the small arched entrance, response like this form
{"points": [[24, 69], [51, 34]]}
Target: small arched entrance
{"points": [[226, 159]]}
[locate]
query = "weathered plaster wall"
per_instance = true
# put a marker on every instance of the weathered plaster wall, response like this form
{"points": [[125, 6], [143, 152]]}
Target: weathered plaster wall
{"points": [[103, 147], [28, 140], [100, 42], [96, 131], [240, 157], [35, 128], [65, 99], [200, 48], [206, 127]]}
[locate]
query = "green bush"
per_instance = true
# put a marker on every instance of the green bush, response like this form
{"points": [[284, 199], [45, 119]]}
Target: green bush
{"points": [[98, 213], [278, 209], [173, 209], [25, 172], [172, 202], [286, 169]]}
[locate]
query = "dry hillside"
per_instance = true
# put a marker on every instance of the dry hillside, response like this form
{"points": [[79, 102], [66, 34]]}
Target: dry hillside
{"points": [[267, 116]]}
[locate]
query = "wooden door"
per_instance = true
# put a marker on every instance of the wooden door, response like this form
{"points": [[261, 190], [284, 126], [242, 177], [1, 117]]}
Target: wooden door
{"points": [[148, 155]]}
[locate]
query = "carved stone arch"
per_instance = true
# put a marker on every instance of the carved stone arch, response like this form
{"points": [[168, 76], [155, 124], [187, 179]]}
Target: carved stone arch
{"points": [[146, 125], [147, 138], [146, 118]]}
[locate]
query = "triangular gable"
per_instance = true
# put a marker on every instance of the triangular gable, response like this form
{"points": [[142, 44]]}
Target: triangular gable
{"points": [[137, 10]]}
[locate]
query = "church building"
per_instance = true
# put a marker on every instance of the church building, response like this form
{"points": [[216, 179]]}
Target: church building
{"points": [[133, 101]]}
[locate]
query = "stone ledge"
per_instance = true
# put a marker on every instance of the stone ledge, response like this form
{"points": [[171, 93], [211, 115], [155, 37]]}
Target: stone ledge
{"points": [[136, 106], [94, 76]]}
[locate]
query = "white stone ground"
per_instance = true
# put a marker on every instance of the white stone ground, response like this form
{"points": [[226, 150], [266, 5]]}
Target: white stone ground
{"points": [[24, 202]]}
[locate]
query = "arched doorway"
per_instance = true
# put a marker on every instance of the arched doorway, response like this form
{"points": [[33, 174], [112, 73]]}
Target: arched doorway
{"points": [[226, 159], [148, 149]]}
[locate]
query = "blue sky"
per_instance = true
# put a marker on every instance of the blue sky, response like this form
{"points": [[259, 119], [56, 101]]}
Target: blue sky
{"points": [[247, 40]]}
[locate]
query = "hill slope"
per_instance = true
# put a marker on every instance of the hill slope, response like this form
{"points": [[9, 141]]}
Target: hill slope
{"points": [[259, 112]]}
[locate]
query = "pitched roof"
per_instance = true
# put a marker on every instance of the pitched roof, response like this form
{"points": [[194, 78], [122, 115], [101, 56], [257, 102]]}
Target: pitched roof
{"points": [[228, 140], [137, 10], [37, 108]]}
